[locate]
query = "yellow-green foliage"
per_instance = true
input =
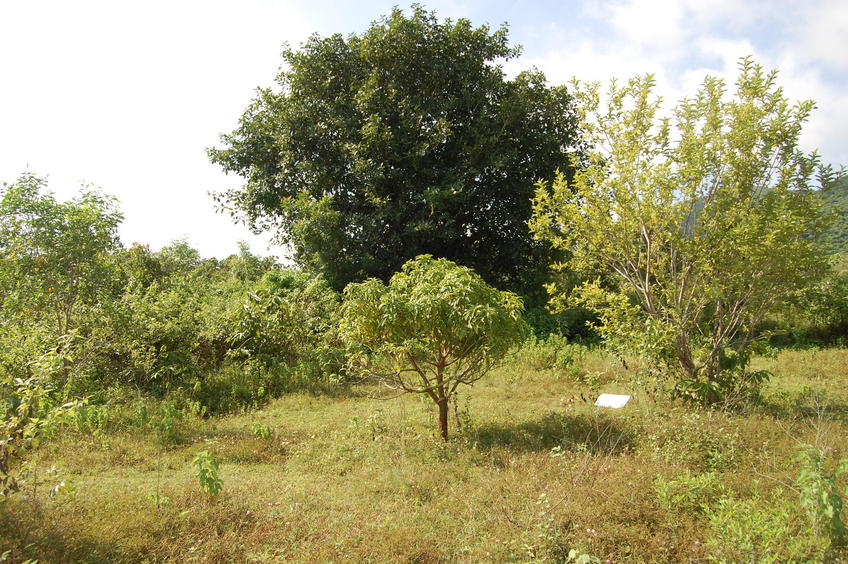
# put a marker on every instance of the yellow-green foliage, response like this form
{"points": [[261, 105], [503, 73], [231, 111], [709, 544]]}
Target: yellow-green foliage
{"points": [[689, 229], [434, 326]]}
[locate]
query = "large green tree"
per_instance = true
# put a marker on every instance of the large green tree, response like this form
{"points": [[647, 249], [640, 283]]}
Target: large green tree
{"points": [[407, 139], [690, 229]]}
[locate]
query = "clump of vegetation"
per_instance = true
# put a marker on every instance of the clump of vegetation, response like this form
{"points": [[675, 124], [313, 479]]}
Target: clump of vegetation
{"points": [[553, 353], [261, 431], [434, 326], [689, 231], [206, 470], [28, 414], [758, 530], [85, 316], [835, 196], [820, 495]]}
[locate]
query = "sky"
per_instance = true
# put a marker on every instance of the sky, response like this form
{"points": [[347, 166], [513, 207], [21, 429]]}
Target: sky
{"points": [[126, 96]]}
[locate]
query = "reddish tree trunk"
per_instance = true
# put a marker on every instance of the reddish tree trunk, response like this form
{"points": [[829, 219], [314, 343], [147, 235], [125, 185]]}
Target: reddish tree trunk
{"points": [[443, 418]]}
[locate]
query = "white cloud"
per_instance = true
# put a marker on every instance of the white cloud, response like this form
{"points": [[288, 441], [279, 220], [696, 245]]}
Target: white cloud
{"points": [[648, 25], [682, 42], [128, 96], [820, 35]]}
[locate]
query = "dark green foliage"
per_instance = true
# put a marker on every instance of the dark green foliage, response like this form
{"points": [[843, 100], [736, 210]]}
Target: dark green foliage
{"points": [[836, 202], [574, 323], [826, 305], [403, 141], [819, 315]]}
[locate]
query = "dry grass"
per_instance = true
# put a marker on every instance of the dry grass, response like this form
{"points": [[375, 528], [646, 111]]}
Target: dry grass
{"points": [[533, 471]]}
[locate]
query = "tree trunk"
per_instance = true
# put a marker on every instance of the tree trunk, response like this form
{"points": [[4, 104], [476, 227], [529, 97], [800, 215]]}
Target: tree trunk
{"points": [[443, 418], [684, 357]]}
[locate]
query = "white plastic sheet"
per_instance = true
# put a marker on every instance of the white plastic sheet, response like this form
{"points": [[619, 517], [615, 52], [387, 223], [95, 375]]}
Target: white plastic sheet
{"points": [[614, 401]]}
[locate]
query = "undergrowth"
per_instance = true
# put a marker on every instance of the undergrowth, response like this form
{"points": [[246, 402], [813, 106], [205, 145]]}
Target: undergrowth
{"points": [[534, 473]]}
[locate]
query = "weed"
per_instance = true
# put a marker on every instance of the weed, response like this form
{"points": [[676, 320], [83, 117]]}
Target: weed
{"points": [[578, 557], [376, 424], [820, 495], [757, 530], [206, 471], [30, 415], [261, 431], [592, 380], [553, 353], [166, 424], [91, 419], [687, 492], [462, 415], [159, 500], [705, 440]]}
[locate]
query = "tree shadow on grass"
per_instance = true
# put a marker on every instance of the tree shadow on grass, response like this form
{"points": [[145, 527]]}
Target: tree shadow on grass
{"points": [[27, 532], [830, 412], [806, 404], [598, 434]]}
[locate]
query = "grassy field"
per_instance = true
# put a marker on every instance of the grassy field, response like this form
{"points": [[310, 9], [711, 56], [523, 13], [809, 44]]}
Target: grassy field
{"points": [[533, 471]]}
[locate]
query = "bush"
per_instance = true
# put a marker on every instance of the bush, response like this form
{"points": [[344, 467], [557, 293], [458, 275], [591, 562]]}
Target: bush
{"points": [[215, 342], [687, 492], [820, 494], [759, 530], [553, 353], [575, 323], [241, 386], [290, 320], [28, 413]]}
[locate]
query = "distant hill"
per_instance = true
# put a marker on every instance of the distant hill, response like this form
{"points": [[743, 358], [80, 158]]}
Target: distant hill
{"points": [[836, 198]]}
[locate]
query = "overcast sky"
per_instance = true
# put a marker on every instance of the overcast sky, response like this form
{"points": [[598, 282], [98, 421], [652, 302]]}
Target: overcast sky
{"points": [[128, 95]]}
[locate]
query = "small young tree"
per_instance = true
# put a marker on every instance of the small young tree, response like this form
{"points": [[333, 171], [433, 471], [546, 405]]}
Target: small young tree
{"points": [[55, 257], [698, 230], [434, 326], [56, 265]]}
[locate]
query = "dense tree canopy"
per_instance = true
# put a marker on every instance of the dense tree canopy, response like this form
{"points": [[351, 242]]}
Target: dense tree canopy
{"points": [[836, 203], [704, 222], [405, 140]]}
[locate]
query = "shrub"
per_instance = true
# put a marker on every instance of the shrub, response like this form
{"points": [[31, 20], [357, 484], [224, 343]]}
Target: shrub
{"points": [[764, 531], [290, 319], [436, 325], [553, 353], [820, 494], [687, 492], [29, 412]]}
